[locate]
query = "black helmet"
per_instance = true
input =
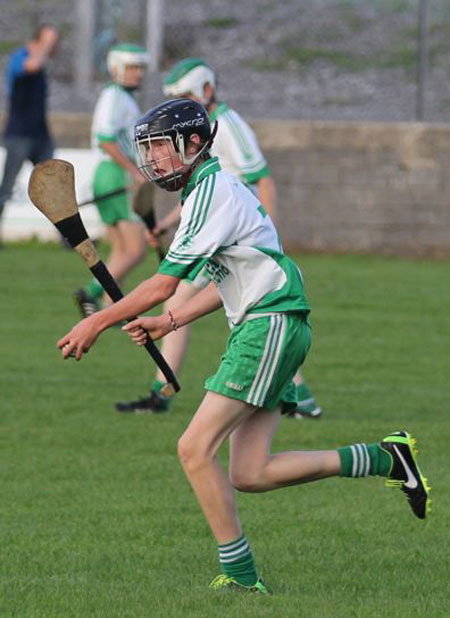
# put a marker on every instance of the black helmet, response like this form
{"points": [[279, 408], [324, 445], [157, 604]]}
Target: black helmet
{"points": [[174, 121]]}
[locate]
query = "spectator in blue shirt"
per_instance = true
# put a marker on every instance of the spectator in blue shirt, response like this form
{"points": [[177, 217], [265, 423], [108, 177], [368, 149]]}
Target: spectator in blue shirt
{"points": [[26, 134]]}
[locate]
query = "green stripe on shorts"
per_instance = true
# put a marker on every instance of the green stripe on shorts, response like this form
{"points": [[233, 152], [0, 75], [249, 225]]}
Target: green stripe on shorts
{"points": [[261, 359]]}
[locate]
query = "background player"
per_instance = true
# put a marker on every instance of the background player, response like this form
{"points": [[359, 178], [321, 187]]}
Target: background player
{"points": [[115, 113], [26, 135], [224, 228], [239, 154]]}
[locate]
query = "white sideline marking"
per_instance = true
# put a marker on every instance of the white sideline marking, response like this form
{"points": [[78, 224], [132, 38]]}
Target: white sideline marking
{"points": [[21, 220]]}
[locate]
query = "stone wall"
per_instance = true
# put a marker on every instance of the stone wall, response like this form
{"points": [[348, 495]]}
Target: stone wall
{"points": [[347, 187], [362, 187]]}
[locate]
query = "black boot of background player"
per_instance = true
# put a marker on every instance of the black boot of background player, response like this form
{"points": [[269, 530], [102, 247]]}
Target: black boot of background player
{"points": [[86, 304], [155, 403]]}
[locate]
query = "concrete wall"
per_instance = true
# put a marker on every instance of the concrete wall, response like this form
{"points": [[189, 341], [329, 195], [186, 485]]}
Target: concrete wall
{"points": [[362, 187], [348, 187]]}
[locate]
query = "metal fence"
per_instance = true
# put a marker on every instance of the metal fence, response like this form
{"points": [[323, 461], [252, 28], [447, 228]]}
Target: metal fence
{"points": [[380, 60]]}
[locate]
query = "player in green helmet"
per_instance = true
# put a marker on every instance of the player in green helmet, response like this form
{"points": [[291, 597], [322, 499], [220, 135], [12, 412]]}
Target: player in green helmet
{"points": [[238, 151], [112, 137]]}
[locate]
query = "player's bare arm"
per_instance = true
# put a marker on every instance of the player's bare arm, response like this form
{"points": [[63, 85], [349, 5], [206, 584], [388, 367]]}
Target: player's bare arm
{"points": [[267, 194], [115, 152], [206, 301], [170, 220], [145, 296], [40, 48]]}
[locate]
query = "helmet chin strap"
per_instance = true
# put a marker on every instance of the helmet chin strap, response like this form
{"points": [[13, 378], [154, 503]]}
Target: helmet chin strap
{"points": [[197, 155], [184, 178]]}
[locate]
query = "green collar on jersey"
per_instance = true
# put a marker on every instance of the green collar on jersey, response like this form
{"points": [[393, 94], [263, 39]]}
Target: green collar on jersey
{"points": [[210, 166], [220, 109]]}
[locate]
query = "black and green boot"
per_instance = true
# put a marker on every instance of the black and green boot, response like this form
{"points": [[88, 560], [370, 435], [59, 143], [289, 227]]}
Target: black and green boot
{"points": [[405, 473]]}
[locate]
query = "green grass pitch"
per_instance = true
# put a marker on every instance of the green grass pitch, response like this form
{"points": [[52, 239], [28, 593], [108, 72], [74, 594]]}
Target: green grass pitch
{"points": [[97, 519]]}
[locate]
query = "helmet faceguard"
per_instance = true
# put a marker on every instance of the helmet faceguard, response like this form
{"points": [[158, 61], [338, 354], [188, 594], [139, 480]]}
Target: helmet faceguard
{"points": [[189, 76], [122, 56], [163, 137]]}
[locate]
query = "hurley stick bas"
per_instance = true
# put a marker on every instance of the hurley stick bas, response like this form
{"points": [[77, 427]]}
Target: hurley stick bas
{"points": [[52, 190]]}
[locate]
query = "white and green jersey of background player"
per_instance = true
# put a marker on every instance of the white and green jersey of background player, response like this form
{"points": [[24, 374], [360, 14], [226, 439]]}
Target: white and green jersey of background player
{"points": [[113, 120], [115, 114], [236, 146], [114, 117], [235, 143], [225, 230]]}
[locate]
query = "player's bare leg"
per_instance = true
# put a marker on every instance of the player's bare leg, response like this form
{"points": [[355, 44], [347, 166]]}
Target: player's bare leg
{"points": [[254, 469], [213, 422], [251, 432], [174, 347], [128, 248]]}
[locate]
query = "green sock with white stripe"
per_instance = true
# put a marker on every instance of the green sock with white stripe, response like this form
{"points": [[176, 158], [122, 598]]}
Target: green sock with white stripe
{"points": [[94, 288], [236, 560], [364, 460], [164, 401]]}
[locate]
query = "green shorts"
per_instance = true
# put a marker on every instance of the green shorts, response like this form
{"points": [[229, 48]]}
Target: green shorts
{"points": [[261, 358], [109, 176]]}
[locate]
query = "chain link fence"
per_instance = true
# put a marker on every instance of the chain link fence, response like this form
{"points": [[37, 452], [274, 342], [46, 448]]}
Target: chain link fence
{"points": [[362, 60]]}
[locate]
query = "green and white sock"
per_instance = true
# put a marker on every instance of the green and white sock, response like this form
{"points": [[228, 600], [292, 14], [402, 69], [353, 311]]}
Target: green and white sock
{"points": [[364, 460], [165, 401], [236, 560], [157, 386], [94, 288], [304, 395]]}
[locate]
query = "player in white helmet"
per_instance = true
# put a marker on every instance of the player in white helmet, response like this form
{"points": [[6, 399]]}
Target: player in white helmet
{"points": [[235, 143], [238, 151], [112, 136]]}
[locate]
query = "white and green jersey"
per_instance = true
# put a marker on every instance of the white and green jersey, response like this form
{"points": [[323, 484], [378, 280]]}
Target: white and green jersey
{"points": [[236, 146], [225, 230], [115, 114]]}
